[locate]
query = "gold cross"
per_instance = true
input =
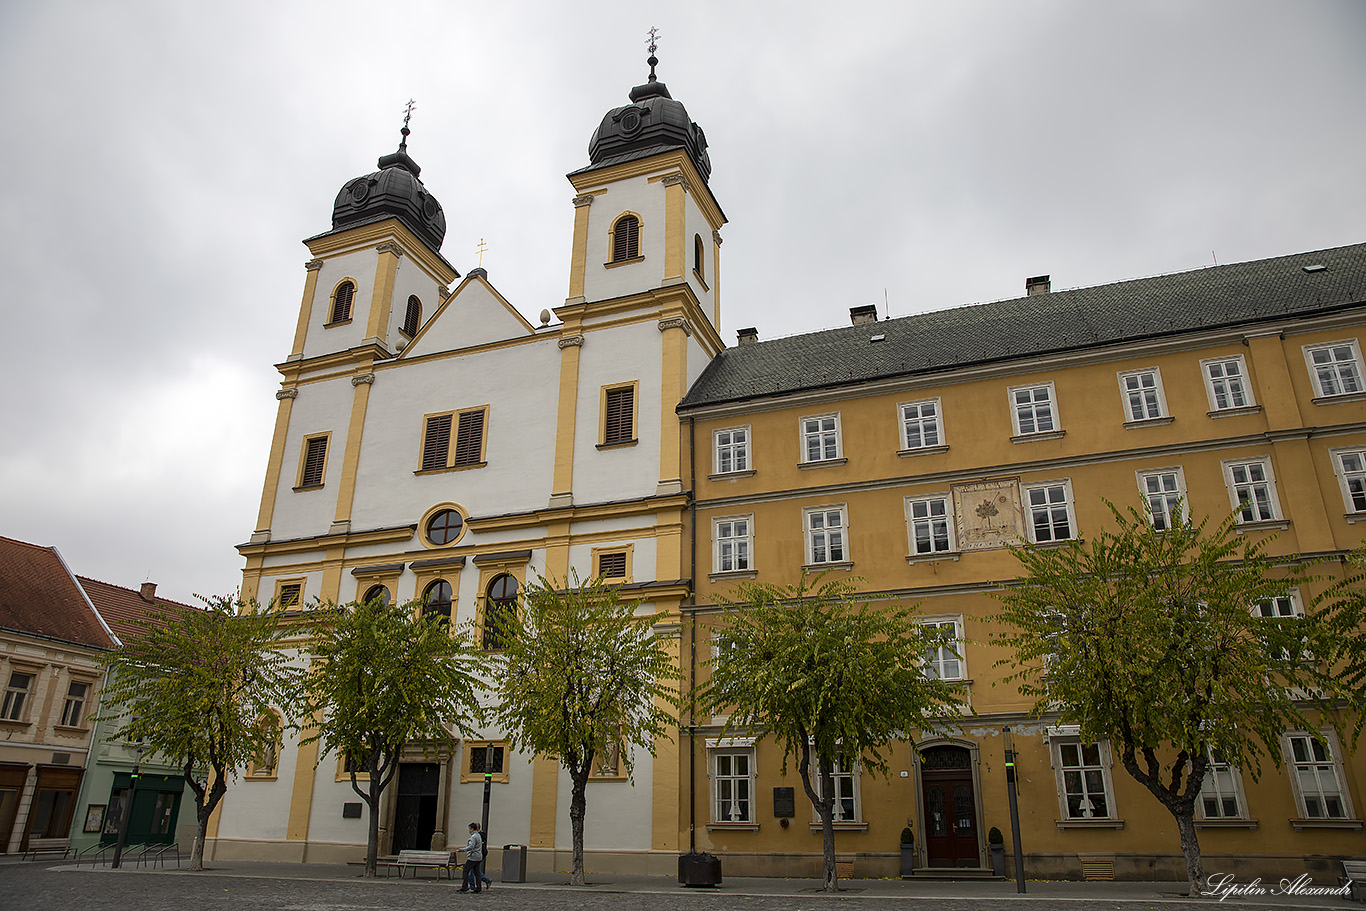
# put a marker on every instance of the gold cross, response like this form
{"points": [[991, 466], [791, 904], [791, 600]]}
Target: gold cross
{"points": [[480, 250]]}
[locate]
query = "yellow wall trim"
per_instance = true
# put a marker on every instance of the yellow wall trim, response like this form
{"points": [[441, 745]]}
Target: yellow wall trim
{"points": [[362, 236]]}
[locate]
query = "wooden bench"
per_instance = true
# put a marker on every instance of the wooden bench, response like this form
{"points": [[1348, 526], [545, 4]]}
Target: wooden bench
{"points": [[417, 860], [1354, 878], [42, 847]]}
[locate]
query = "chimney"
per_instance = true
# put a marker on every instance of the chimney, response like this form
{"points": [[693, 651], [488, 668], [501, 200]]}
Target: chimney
{"points": [[149, 592], [748, 336], [860, 315], [1039, 284]]}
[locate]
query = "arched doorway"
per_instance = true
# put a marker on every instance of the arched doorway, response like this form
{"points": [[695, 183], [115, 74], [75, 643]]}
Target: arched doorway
{"points": [[950, 801]]}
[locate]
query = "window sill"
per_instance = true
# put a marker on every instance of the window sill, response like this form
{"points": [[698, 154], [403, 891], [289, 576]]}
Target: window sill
{"points": [[260, 778], [422, 471], [822, 463], [731, 475], [1235, 412], [1355, 517], [1262, 525], [624, 444], [14, 723], [1302, 824], [340, 322], [70, 729], [935, 557], [1033, 437], [733, 574], [478, 777], [623, 262], [842, 827], [822, 567], [609, 779], [1248, 824], [1089, 824], [1148, 422], [732, 827], [700, 280], [1055, 544], [923, 450], [1345, 397], [301, 489]]}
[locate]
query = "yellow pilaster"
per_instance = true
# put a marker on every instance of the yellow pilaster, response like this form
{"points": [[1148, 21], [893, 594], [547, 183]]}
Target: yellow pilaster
{"points": [[301, 795], [545, 784], [251, 578], [563, 486], [1271, 372], [666, 789], [675, 228], [306, 307], [346, 490], [557, 551], [578, 259], [332, 575], [382, 300], [669, 544], [673, 380], [277, 456]]}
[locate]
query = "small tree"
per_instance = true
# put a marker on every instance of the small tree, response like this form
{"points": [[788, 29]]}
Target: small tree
{"points": [[825, 675], [1154, 640], [582, 677], [197, 685], [384, 676]]}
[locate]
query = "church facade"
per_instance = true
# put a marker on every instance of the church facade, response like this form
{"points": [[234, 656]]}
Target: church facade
{"points": [[433, 444]]}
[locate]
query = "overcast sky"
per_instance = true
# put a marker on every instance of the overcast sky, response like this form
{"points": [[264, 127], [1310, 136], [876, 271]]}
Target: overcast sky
{"points": [[163, 161]]}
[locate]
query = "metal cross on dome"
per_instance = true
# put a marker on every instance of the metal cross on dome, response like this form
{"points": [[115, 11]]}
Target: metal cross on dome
{"points": [[408, 111], [653, 40]]}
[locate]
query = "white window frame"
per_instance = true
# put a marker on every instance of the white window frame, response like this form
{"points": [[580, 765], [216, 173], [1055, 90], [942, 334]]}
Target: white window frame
{"points": [[1026, 491], [1288, 606], [811, 534], [1143, 402], [946, 663], [18, 701], [1341, 373], [738, 450], [732, 748], [74, 708], [928, 520], [1352, 481], [1171, 483], [1222, 385], [1223, 782], [1232, 469], [1104, 762], [1047, 404], [933, 422], [822, 434], [744, 541], [848, 786], [1315, 770]]}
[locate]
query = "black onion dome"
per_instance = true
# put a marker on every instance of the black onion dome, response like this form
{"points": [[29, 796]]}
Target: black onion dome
{"points": [[392, 192], [653, 122]]}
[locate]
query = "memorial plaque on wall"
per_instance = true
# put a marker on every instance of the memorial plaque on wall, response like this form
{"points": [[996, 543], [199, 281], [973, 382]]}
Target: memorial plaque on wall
{"points": [[784, 802]]}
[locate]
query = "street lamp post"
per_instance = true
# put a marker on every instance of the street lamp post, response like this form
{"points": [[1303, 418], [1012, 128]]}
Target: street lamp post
{"points": [[484, 823], [1014, 813], [127, 808]]}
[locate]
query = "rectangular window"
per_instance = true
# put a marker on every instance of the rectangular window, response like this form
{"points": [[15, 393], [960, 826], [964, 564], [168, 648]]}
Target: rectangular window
{"points": [[619, 415], [821, 438], [1163, 490], [945, 661], [1085, 784], [732, 450], [1033, 409], [825, 531], [733, 786], [1049, 507], [436, 442], [16, 696], [1143, 398], [1283, 607], [1335, 368], [453, 439], [1252, 490], [1221, 794], [1351, 468], [73, 709], [1316, 777], [844, 774], [1226, 383], [732, 542], [920, 426], [484, 757], [469, 439], [931, 525], [313, 462]]}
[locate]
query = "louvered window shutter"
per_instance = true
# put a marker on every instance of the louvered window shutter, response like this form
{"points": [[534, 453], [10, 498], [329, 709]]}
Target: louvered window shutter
{"points": [[612, 566], [314, 461], [619, 409], [341, 306], [626, 238], [469, 438], [436, 443]]}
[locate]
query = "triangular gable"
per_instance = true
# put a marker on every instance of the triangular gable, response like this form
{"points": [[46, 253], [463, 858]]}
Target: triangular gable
{"points": [[474, 314]]}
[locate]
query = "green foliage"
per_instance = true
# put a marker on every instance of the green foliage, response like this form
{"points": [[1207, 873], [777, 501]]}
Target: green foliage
{"points": [[195, 686], [994, 837], [907, 836]]}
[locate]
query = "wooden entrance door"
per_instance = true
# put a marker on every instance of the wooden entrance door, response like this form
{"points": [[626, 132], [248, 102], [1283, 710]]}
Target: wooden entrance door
{"points": [[415, 805], [951, 838]]}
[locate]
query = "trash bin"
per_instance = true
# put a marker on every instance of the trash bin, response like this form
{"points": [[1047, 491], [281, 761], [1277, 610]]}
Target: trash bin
{"points": [[514, 863]]}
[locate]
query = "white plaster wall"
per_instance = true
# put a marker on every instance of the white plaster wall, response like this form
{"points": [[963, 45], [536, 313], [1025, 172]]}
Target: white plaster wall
{"points": [[325, 822], [360, 267], [617, 814], [643, 555], [609, 356], [320, 407], [696, 224], [474, 316], [313, 582], [259, 809], [646, 199], [697, 360]]}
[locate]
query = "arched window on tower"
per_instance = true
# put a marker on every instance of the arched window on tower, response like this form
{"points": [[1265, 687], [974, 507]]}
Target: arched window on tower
{"points": [[626, 238], [341, 302], [412, 317], [437, 599], [698, 257], [500, 608]]}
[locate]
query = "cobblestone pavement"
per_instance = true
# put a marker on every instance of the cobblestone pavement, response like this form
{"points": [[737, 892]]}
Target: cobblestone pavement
{"points": [[291, 887]]}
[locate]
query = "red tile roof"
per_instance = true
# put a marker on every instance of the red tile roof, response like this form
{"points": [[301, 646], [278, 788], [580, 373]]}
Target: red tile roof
{"points": [[39, 595], [122, 608]]}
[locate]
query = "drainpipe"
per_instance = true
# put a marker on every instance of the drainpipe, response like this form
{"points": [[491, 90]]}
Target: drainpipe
{"points": [[692, 643]]}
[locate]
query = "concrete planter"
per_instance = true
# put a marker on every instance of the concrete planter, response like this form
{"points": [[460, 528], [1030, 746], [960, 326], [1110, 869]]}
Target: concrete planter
{"points": [[907, 859]]}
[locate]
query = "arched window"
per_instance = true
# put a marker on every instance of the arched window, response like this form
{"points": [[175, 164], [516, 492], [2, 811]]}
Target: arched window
{"points": [[412, 317], [341, 302], [267, 759], [698, 257], [436, 599], [499, 608], [626, 238], [377, 593]]}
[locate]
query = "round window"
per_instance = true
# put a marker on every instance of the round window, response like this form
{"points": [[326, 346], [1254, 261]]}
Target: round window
{"points": [[444, 526]]}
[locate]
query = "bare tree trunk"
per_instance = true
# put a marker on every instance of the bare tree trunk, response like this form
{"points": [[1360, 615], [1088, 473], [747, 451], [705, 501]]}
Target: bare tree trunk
{"points": [[206, 801], [1190, 846], [578, 805], [1190, 765], [825, 806]]}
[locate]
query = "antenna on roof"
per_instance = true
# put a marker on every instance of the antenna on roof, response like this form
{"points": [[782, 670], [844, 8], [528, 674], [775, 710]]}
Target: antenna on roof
{"points": [[886, 307], [1216, 259]]}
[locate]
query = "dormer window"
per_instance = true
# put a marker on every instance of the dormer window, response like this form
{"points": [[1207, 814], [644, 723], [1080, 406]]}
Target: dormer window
{"points": [[412, 317], [341, 302], [626, 239]]}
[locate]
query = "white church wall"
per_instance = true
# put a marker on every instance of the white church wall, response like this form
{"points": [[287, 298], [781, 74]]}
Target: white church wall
{"points": [[622, 355], [618, 813], [411, 279], [360, 267], [645, 199], [320, 408], [474, 316]]}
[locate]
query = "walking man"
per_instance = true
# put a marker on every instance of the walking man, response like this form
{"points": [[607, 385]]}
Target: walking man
{"points": [[474, 853]]}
